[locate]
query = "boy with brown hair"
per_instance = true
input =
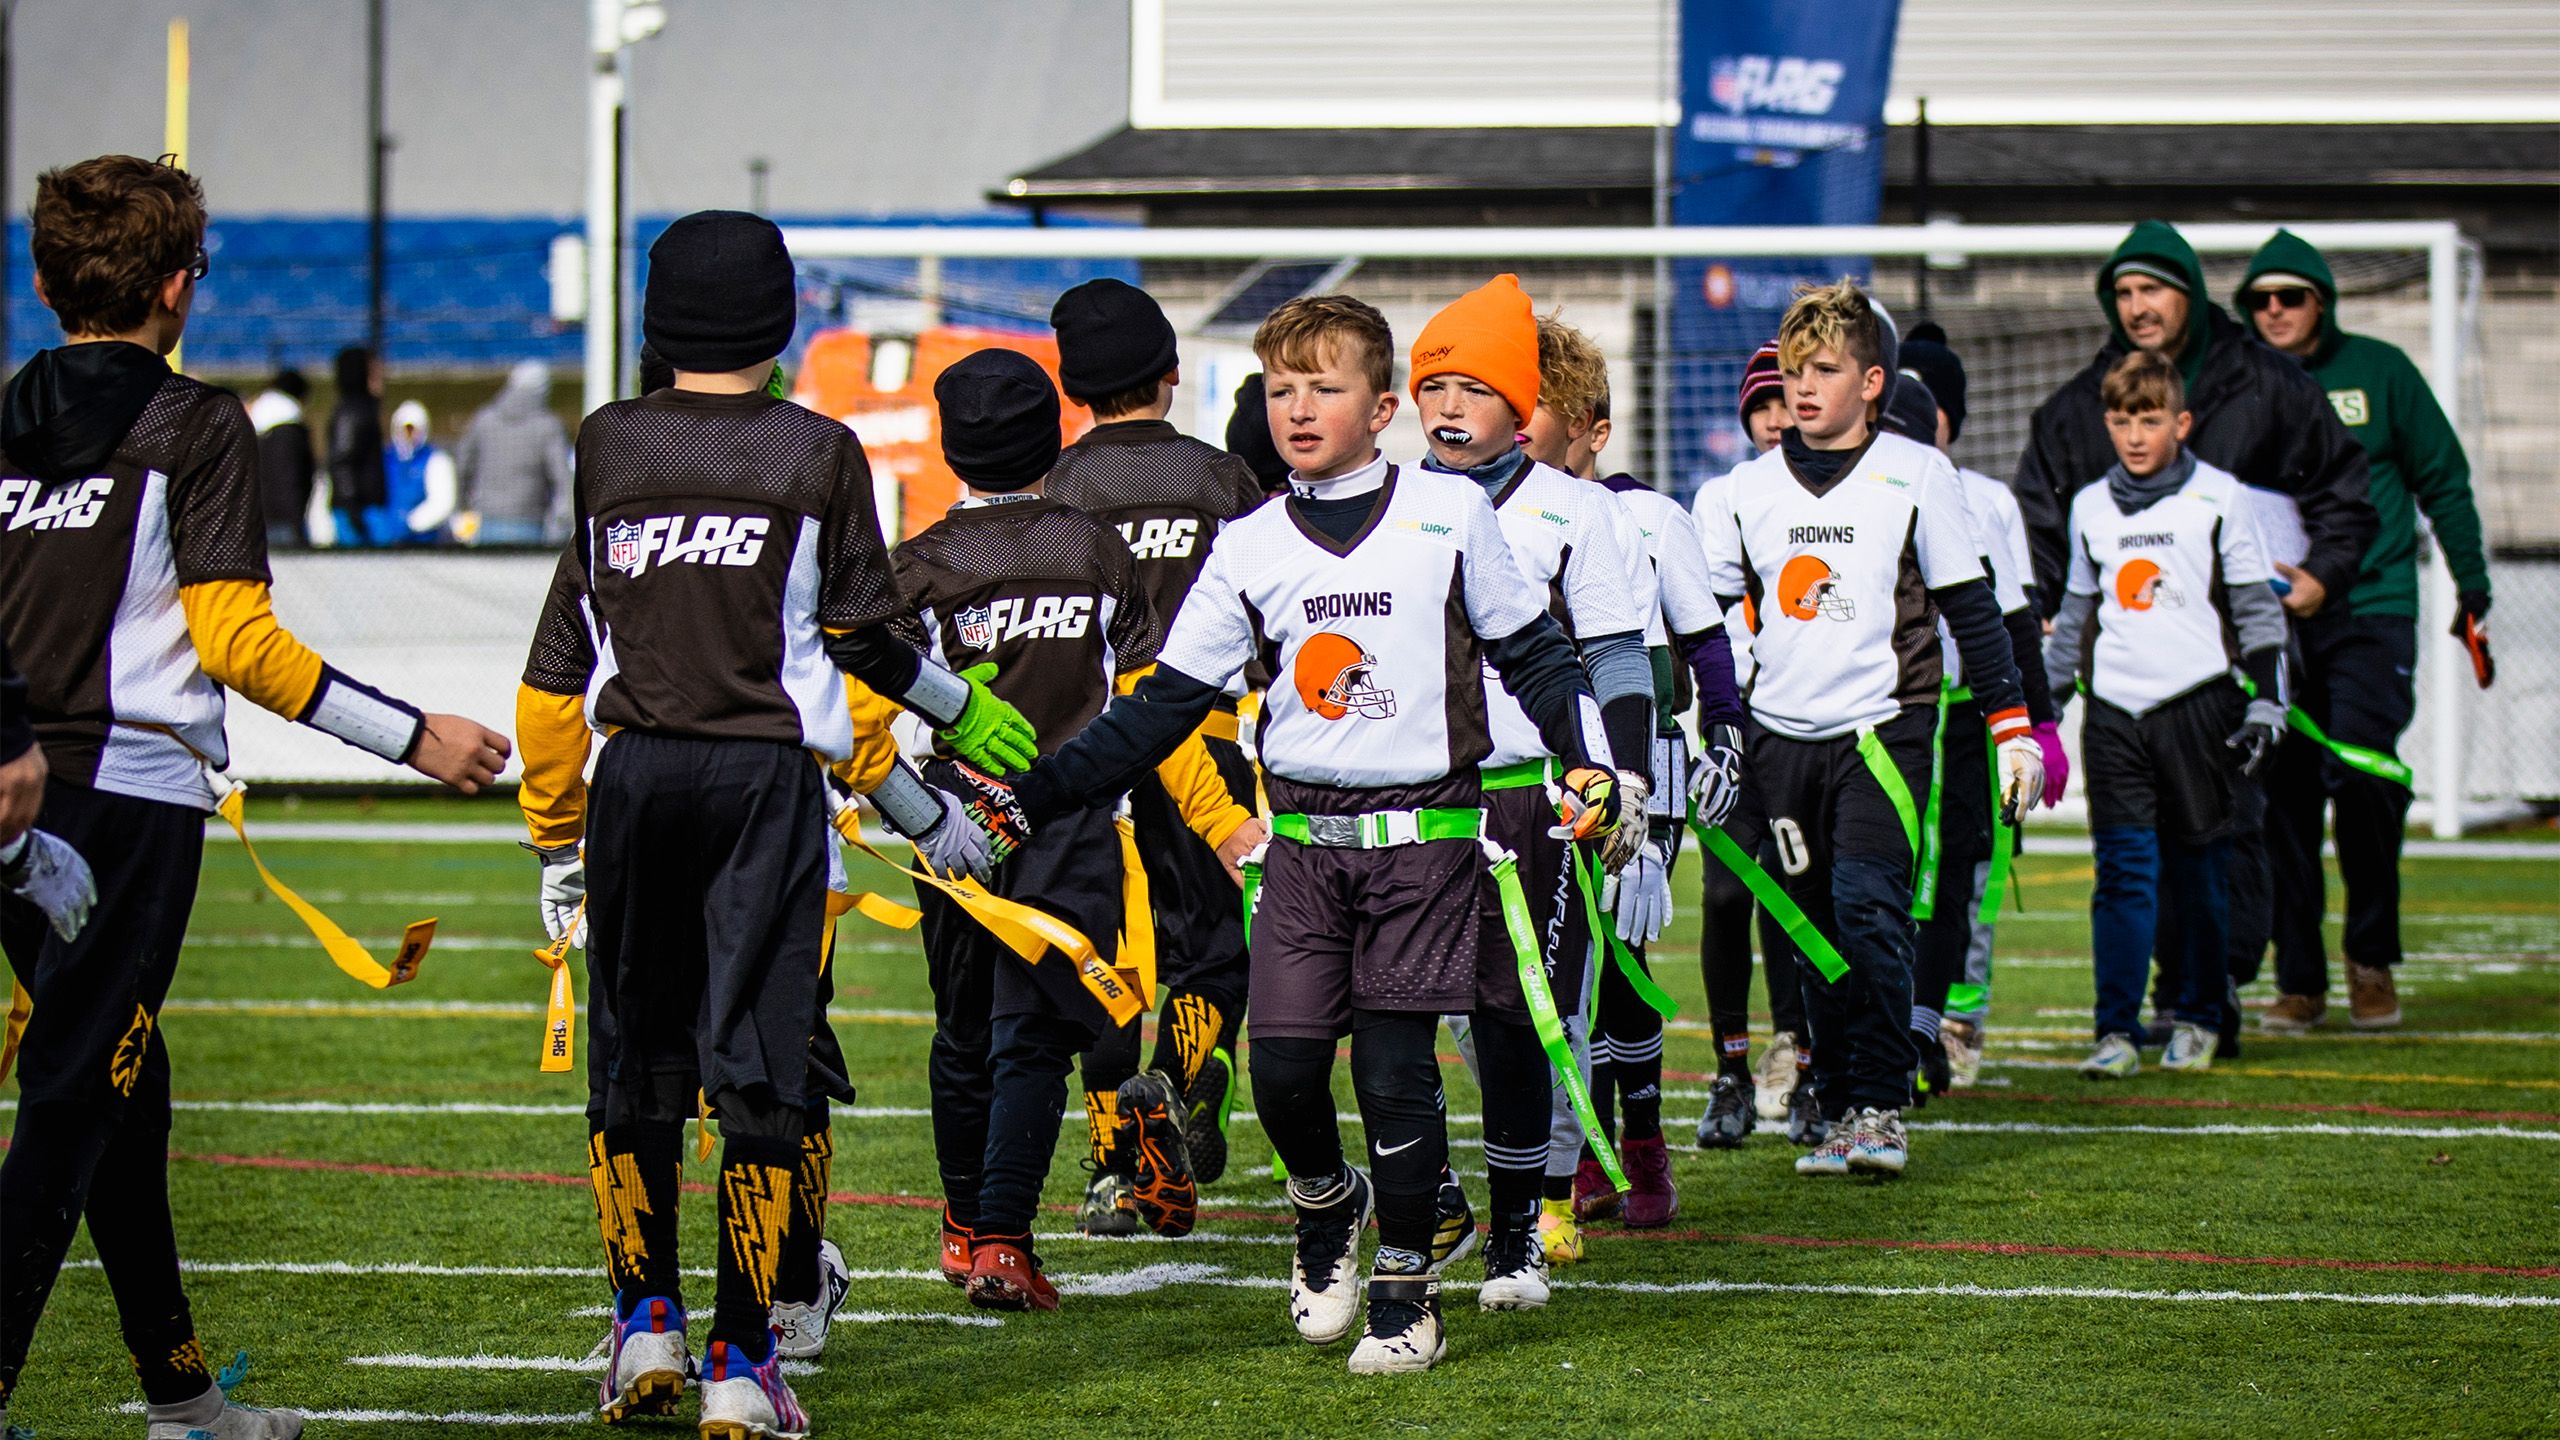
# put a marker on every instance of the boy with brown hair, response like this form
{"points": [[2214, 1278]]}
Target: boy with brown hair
{"points": [[2167, 597], [1374, 595], [1167, 494], [1850, 543], [134, 590]]}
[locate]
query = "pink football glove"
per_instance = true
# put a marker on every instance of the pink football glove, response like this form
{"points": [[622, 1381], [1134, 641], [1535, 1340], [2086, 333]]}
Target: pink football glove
{"points": [[2057, 766]]}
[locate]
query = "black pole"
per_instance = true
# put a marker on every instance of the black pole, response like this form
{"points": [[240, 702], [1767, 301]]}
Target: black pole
{"points": [[1920, 197], [758, 169], [377, 234]]}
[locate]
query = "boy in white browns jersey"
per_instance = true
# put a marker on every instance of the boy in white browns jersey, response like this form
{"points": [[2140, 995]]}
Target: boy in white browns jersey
{"points": [[1373, 595], [1474, 376], [1957, 825], [1956, 942], [1850, 545], [1624, 1056], [2166, 595]]}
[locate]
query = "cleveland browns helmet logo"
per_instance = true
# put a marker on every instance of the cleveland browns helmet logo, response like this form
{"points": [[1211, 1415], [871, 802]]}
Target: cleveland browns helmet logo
{"points": [[1807, 588], [2140, 586], [1334, 678]]}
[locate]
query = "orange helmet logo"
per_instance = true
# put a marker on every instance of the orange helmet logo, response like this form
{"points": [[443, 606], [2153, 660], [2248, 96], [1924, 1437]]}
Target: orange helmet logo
{"points": [[1334, 678], [1807, 589], [2140, 586]]}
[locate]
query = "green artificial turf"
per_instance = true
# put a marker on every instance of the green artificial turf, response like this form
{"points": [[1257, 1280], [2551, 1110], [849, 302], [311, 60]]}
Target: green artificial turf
{"points": [[2308, 1241]]}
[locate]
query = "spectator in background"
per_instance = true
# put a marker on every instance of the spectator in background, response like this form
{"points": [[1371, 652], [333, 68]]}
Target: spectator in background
{"points": [[287, 467], [356, 487], [513, 461], [1249, 437], [419, 478]]}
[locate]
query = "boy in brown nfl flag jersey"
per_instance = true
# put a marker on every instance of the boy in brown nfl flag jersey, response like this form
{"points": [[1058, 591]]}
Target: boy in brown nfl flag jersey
{"points": [[1372, 595], [1167, 494], [1052, 597], [731, 573], [134, 591]]}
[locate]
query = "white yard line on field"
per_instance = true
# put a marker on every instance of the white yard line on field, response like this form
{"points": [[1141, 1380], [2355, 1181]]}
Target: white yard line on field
{"points": [[423, 1417], [967, 1318], [574, 1365]]}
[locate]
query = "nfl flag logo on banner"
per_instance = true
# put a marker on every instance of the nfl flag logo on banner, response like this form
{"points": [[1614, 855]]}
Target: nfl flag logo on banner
{"points": [[622, 545], [977, 629]]}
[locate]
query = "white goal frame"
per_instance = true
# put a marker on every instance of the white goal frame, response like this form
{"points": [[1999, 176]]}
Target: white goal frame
{"points": [[2441, 240]]}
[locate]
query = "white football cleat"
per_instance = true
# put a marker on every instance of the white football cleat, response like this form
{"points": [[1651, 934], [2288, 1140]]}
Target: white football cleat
{"points": [[1405, 1330], [1324, 1274], [1515, 1271], [800, 1331], [645, 1362], [748, 1400]]}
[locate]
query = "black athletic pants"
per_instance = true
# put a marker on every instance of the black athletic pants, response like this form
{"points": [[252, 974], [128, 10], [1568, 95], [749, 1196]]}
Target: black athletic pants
{"points": [[1724, 943], [1964, 848], [2357, 681], [92, 1132], [1626, 1045]]}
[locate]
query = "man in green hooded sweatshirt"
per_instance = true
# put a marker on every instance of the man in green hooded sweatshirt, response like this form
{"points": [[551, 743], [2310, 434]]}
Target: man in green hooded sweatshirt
{"points": [[2359, 666], [2259, 415]]}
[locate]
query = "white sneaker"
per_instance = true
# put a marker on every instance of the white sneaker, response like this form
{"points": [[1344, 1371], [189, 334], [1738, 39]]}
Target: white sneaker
{"points": [[645, 1363], [2116, 1058], [1405, 1330], [801, 1330], [1775, 1080], [2191, 1047], [1515, 1272], [1877, 1143], [1962, 1040], [1831, 1157], [214, 1415], [1324, 1274], [748, 1401]]}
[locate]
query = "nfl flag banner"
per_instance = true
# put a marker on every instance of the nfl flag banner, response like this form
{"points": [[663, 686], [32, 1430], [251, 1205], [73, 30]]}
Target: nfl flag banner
{"points": [[1781, 123]]}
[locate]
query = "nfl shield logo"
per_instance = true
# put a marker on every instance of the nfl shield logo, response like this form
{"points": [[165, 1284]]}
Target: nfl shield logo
{"points": [[622, 546], [977, 629], [1724, 85]]}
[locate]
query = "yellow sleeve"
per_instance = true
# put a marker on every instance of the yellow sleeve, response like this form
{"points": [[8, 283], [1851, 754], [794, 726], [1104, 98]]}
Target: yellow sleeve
{"points": [[552, 739], [1192, 779], [874, 748], [240, 644]]}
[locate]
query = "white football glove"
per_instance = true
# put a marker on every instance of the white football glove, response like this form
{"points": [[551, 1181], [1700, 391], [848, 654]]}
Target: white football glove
{"points": [[43, 870], [564, 891], [2021, 776], [1642, 903], [1715, 784], [1620, 845]]}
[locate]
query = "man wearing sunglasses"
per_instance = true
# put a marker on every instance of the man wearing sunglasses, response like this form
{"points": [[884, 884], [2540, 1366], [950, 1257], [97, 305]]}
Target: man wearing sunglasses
{"points": [[2257, 415], [2358, 666]]}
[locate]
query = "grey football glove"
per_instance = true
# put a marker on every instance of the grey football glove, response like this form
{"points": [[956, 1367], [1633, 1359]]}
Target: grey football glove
{"points": [[936, 822], [564, 891], [43, 870], [1642, 904], [1716, 782], [2256, 738]]}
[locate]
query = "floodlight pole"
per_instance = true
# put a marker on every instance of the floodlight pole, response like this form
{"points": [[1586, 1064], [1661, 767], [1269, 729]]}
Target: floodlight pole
{"points": [[604, 202]]}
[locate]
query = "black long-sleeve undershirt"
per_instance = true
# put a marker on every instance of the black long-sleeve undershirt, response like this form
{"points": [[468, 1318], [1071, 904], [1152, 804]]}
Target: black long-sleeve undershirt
{"points": [[1709, 656], [2026, 646], [1982, 643]]}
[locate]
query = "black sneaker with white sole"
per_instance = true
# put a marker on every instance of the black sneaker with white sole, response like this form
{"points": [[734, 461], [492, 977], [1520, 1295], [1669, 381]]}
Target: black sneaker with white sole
{"points": [[1806, 1128], [1730, 1115], [1324, 1275], [1453, 1231]]}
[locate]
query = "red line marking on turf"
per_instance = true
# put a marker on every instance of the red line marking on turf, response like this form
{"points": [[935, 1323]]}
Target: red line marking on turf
{"points": [[2291, 1107]]}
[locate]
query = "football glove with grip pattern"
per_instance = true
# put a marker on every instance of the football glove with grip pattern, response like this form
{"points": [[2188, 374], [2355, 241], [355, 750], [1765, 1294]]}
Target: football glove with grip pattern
{"points": [[992, 808], [564, 890], [1716, 784], [989, 732], [45, 871]]}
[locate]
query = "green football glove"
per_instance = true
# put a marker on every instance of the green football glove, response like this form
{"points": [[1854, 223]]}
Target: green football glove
{"points": [[990, 733]]}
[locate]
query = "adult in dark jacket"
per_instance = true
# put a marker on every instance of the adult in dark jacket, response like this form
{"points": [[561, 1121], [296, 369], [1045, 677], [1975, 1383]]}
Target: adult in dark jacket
{"points": [[2360, 666], [287, 467], [2258, 416], [358, 488]]}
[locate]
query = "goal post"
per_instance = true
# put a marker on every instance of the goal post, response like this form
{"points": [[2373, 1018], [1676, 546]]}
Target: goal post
{"points": [[2017, 300]]}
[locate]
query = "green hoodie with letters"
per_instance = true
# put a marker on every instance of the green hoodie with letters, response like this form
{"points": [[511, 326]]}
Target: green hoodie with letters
{"points": [[2412, 453]]}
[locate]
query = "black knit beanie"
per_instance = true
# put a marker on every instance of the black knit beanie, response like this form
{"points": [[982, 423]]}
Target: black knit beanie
{"points": [[1249, 437], [1112, 337], [1910, 411], [721, 293], [1927, 355], [999, 419]]}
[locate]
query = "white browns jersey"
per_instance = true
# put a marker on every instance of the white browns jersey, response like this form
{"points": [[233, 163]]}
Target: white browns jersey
{"points": [[2161, 577], [2000, 539], [1583, 558], [1737, 620], [1372, 643], [1839, 582]]}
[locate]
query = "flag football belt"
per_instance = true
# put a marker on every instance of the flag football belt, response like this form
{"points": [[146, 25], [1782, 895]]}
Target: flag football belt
{"points": [[2004, 840], [1379, 829], [1924, 848], [1586, 874], [2380, 764], [1519, 775]]}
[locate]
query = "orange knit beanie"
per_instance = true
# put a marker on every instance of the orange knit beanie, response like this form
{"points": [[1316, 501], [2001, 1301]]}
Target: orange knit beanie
{"points": [[1489, 334]]}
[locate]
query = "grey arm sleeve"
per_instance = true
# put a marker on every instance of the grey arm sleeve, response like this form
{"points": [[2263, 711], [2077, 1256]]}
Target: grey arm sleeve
{"points": [[2258, 616], [1619, 665], [2073, 625]]}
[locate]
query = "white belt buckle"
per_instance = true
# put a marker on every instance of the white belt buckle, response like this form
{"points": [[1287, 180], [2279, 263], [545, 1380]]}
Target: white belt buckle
{"points": [[1399, 827]]}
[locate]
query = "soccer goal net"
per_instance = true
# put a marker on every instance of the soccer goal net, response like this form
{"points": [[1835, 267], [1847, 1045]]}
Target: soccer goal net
{"points": [[1679, 312]]}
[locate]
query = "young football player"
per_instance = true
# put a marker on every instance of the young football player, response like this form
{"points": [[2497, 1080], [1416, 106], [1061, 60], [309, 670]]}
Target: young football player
{"points": [[1166, 494], [1568, 430], [728, 568], [1053, 597], [2167, 597], [1738, 1098], [1956, 941], [1851, 544], [1374, 595], [134, 591]]}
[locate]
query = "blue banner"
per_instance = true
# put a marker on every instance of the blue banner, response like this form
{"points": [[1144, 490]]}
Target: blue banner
{"points": [[1781, 123]]}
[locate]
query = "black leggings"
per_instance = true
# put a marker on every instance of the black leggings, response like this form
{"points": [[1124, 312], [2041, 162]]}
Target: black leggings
{"points": [[1396, 1076]]}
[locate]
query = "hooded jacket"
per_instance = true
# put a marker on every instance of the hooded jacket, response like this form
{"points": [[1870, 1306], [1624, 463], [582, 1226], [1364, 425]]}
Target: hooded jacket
{"points": [[2257, 415], [2411, 451], [514, 457]]}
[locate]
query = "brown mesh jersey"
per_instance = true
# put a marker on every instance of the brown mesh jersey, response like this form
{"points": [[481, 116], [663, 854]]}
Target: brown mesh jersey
{"points": [[718, 537], [89, 575], [1047, 592], [1165, 492]]}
